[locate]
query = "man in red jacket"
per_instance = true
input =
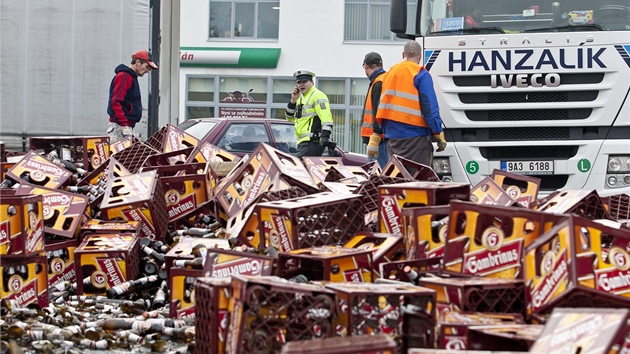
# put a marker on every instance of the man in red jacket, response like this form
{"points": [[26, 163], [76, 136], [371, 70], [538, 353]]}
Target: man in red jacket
{"points": [[125, 104]]}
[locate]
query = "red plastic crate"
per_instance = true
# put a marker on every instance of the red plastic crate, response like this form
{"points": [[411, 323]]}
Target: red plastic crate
{"points": [[267, 312], [454, 327], [519, 337], [400, 167], [366, 344], [171, 138], [92, 151], [329, 263], [60, 256], [425, 230], [578, 263], [403, 311], [40, 171], [523, 189], [63, 212], [584, 203], [24, 280], [137, 197], [108, 259], [314, 220], [385, 247], [21, 224], [212, 296], [488, 240], [134, 156]]}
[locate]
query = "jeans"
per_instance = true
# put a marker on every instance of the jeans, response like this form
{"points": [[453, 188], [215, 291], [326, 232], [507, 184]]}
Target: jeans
{"points": [[383, 156]]}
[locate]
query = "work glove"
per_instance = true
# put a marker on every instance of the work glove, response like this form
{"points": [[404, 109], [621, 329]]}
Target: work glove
{"points": [[441, 142], [372, 148], [126, 131], [323, 141]]}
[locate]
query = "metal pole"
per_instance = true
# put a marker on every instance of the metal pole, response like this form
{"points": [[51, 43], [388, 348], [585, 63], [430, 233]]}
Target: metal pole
{"points": [[154, 83]]}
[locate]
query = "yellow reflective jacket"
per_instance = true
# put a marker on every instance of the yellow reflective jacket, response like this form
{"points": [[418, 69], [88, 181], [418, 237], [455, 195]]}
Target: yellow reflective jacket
{"points": [[316, 115]]}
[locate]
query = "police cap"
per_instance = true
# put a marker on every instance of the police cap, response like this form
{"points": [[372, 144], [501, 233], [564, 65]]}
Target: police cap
{"points": [[303, 74]]}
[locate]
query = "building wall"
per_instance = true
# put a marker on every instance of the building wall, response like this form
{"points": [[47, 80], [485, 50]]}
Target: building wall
{"points": [[311, 36]]}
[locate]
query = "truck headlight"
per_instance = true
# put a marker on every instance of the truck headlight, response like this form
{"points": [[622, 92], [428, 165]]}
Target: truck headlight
{"points": [[618, 171], [441, 165]]}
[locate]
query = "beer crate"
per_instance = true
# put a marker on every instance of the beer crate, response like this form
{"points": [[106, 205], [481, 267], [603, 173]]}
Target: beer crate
{"points": [[488, 240], [266, 169], [171, 138], [171, 158], [369, 190], [379, 343], [395, 197], [21, 224], [578, 263], [618, 206], [188, 187], [583, 330], [206, 152], [489, 192], [319, 166], [425, 230], [122, 144], [133, 157], [404, 312], [267, 311], [329, 263], [478, 294], [523, 189], [98, 178], [25, 280], [183, 249], [314, 220], [212, 296], [4, 167], [36, 169], [137, 197], [97, 226], [400, 167], [346, 174], [420, 266], [181, 284], [60, 257], [219, 263], [244, 225], [63, 212], [385, 247], [448, 351], [107, 259], [92, 151], [519, 337], [585, 203], [454, 327]]}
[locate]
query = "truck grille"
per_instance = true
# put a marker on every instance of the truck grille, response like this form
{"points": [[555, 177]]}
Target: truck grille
{"points": [[566, 79], [532, 97], [528, 115]]}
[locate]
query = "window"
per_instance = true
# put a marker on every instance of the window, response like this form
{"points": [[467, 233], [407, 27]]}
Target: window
{"points": [[368, 20], [246, 19], [243, 137]]}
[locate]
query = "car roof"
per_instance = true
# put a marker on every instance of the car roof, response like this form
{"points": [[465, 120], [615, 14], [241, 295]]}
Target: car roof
{"points": [[242, 120]]}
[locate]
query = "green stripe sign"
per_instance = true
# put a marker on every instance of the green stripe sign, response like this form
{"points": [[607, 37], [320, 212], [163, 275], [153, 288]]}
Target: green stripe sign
{"points": [[229, 57]]}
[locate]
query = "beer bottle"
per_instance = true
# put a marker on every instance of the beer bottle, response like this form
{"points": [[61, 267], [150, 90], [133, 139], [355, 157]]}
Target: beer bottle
{"points": [[196, 263], [17, 330], [115, 324], [132, 286], [7, 273], [7, 183], [158, 257], [199, 250], [411, 274], [133, 307], [149, 266], [160, 296]]}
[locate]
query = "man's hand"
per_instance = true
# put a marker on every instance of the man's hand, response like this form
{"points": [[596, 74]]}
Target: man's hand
{"points": [[126, 131], [323, 141], [441, 142], [372, 148]]}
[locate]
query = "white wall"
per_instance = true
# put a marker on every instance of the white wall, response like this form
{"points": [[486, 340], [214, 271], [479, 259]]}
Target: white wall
{"points": [[310, 37]]}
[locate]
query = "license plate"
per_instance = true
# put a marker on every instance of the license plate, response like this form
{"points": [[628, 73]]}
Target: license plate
{"points": [[528, 167]]}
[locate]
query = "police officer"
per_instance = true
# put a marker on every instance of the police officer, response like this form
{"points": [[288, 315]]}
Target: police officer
{"points": [[309, 110]]}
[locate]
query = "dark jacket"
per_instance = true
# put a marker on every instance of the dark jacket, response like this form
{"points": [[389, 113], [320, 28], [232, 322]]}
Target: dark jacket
{"points": [[125, 104]]}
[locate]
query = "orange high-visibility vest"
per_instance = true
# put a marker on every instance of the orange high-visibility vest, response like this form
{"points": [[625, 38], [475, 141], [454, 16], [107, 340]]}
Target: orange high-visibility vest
{"points": [[368, 112], [400, 101]]}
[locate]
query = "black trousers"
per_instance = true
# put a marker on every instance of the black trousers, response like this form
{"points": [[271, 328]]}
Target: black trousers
{"points": [[309, 148]]}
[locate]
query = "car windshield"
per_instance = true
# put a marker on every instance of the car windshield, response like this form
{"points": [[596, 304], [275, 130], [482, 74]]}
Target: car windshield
{"points": [[196, 128], [469, 17]]}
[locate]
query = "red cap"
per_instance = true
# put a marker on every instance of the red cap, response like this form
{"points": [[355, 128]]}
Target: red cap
{"points": [[144, 55]]}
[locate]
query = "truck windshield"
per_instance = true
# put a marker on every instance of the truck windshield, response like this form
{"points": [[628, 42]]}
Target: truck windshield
{"points": [[470, 17]]}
